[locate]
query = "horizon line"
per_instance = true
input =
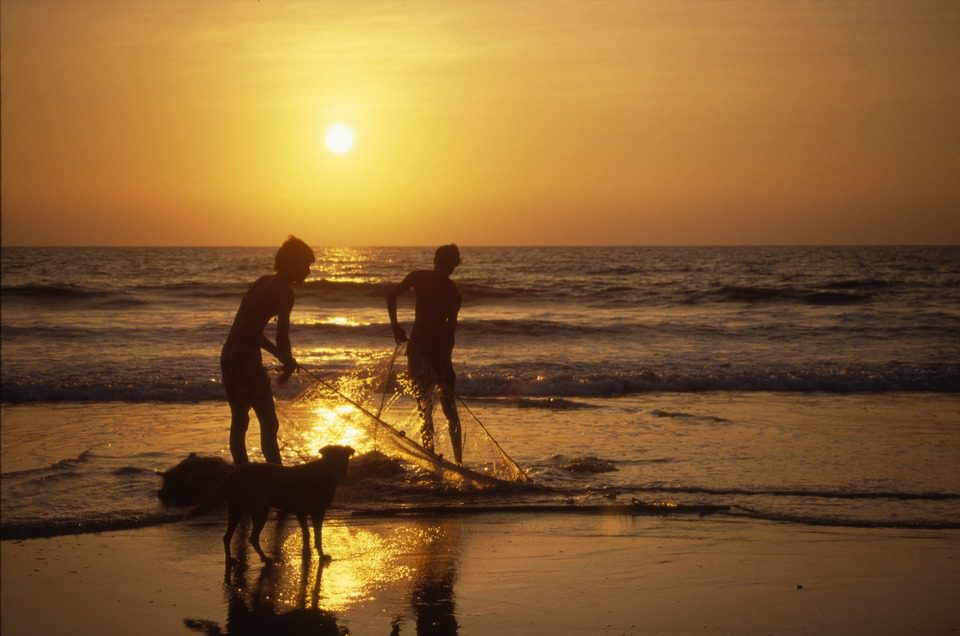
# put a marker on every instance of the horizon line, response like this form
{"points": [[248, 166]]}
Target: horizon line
{"points": [[479, 245]]}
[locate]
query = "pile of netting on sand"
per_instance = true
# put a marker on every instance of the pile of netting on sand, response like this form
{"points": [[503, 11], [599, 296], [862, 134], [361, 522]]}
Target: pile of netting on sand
{"points": [[373, 410]]}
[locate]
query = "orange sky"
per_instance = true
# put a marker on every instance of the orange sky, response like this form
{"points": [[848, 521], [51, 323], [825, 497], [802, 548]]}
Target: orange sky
{"points": [[202, 123]]}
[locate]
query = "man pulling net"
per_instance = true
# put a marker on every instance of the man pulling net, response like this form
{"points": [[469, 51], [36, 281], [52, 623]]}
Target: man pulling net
{"points": [[431, 342]]}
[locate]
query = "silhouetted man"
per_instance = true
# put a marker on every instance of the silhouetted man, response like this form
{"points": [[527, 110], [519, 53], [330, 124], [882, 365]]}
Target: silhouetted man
{"points": [[431, 341], [244, 377]]}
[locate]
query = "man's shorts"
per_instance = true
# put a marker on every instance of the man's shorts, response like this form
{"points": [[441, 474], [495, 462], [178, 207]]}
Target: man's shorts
{"points": [[244, 378], [428, 369]]}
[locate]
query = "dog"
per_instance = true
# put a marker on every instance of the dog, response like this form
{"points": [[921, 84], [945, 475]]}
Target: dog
{"points": [[252, 489]]}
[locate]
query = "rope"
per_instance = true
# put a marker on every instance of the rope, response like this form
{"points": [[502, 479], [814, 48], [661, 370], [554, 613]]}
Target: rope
{"points": [[522, 474], [386, 379], [383, 398]]}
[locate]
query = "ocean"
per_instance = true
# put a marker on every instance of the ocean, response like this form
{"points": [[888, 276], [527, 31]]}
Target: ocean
{"points": [[797, 385]]}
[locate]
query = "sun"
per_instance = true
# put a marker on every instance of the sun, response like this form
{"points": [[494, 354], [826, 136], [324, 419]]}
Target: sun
{"points": [[340, 138]]}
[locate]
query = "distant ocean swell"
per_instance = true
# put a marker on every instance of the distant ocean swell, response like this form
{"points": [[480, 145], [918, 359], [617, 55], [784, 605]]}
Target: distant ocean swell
{"points": [[825, 293], [86, 297], [53, 291], [197, 289], [72, 296], [131, 333], [748, 294], [528, 380]]}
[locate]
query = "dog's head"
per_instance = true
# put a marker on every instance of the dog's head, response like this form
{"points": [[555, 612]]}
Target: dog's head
{"points": [[338, 457]]}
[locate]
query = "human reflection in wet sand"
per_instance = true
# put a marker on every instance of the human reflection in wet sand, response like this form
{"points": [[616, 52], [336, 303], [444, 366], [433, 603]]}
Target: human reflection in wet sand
{"points": [[432, 595], [254, 607], [255, 610]]}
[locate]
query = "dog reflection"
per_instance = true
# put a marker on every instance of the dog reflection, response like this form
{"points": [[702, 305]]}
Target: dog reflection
{"points": [[253, 608]]}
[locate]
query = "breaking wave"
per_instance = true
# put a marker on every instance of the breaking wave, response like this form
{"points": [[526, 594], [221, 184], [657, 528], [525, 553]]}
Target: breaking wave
{"points": [[534, 386]]}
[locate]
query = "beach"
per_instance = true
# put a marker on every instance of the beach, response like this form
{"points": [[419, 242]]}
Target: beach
{"points": [[788, 562], [494, 574], [806, 397]]}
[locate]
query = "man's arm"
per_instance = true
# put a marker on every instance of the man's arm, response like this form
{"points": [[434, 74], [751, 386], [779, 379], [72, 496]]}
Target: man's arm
{"points": [[282, 350], [398, 333], [450, 324], [267, 345]]}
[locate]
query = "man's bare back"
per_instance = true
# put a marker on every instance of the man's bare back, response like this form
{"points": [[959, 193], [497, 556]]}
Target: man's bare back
{"points": [[267, 298]]}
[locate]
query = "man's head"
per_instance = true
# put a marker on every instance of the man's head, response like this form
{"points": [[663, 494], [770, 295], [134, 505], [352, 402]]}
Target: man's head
{"points": [[293, 259], [446, 258]]}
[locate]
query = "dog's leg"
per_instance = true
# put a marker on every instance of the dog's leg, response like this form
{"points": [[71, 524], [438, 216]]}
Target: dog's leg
{"points": [[305, 530], [233, 518], [259, 520], [317, 516]]}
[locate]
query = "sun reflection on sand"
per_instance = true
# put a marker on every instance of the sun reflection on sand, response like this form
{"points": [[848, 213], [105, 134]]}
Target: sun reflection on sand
{"points": [[369, 562], [364, 562]]}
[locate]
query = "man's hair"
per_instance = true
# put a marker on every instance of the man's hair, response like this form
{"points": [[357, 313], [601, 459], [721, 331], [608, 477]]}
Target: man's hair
{"points": [[292, 253], [447, 255]]}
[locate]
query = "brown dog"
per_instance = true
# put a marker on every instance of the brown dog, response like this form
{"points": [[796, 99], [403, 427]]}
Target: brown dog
{"points": [[251, 489]]}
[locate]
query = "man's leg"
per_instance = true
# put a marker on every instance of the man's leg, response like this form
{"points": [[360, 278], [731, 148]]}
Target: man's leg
{"points": [[239, 421], [448, 401], [421, 381], [425, 406], [269, 426]]}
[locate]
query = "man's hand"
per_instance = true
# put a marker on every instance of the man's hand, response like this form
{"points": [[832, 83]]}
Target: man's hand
{"points": [[399, 334], [288, 370]]}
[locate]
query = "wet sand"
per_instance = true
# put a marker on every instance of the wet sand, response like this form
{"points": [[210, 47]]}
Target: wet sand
{"points": [[491, 574]]}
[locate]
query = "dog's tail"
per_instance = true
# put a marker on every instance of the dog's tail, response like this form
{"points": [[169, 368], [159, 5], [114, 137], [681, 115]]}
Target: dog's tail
{"points": [[219, 494]]}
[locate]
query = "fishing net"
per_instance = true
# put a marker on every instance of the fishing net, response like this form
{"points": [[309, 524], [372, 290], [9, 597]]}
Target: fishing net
{"points": [[373, 409]]}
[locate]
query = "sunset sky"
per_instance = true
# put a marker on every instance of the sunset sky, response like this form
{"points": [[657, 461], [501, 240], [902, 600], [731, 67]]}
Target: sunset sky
{"points": [[484, 123]]}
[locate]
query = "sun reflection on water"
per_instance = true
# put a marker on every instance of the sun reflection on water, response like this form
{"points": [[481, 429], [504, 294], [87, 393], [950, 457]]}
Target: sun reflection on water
{"points": [[341, 424], [344, 265], [335, 320]]}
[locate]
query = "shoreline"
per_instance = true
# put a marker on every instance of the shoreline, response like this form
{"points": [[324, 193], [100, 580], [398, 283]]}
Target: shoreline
{"points": [[496, 573]]}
